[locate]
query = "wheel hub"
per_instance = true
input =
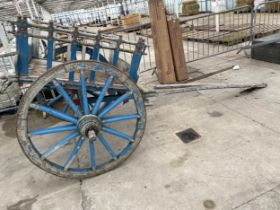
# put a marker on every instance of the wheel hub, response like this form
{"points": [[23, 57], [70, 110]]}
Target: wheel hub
{"points": [[89, 126]]}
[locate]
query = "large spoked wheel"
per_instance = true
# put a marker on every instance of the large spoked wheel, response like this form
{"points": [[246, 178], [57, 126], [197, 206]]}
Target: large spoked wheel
{"points": [[83, 126]]}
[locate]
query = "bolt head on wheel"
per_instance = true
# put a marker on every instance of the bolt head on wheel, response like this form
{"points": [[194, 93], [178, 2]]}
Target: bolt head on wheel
{"points": [[89, 125]]}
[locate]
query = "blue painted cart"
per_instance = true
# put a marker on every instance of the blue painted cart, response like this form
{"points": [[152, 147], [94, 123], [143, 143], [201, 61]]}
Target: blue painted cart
{"points": [[84, 117]]}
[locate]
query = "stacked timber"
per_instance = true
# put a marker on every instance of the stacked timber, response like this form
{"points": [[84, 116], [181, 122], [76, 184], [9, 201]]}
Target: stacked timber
{"points": [[241, 3], [190, 8], [176, 40], [131, 20], [168, 45], [163, 53]]}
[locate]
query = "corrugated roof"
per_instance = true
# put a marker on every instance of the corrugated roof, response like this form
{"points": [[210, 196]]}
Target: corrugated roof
{"points": [[8, 9]]}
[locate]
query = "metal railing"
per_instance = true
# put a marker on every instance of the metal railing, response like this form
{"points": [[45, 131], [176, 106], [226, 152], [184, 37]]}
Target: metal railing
{"points": [[214, 34], [266, 19]]}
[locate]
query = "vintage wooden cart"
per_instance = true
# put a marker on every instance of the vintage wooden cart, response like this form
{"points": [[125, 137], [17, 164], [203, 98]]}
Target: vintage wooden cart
{"points": [[84, 117]]}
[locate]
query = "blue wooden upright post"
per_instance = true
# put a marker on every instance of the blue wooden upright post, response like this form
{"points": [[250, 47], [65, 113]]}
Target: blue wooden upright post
{"points": [[22, 46], [74, 49], [96, 47], [95, 52], [117, 52], [136, 60], [50, 45]]}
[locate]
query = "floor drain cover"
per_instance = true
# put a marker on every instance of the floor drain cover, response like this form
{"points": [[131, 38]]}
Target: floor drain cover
{"points": [[188, 135]]}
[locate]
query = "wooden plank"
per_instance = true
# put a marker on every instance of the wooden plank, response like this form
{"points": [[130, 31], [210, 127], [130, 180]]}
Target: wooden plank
{"points": [[176, 40], [163, 53], [110, 29]]}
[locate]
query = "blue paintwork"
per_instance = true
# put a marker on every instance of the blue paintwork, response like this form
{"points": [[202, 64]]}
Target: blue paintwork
{"points": [[54, 113], [117, 52], [136, 60], [50, 46], [92, 154], [107, 146], [65, 108], [95, 54], [116, 57], [92, 100], [120, 118], [102, 94], [67, 98], [60, 144], [54, 100], [58, 129], [117, 133], [74, 49], [74, 152], [96, 48], [22, 46], [114, 104], [84, 93], [126, 150]]}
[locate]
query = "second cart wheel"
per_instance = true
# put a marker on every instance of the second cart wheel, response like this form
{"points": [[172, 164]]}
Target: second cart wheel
{"points": [[94, 122]]}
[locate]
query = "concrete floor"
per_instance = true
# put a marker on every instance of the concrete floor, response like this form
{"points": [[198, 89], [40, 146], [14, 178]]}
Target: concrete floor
{"points": [[234, 165]]}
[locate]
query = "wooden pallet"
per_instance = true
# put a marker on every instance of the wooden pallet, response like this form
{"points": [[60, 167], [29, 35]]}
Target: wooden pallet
{"points": [[9, 94], [130, 20]]}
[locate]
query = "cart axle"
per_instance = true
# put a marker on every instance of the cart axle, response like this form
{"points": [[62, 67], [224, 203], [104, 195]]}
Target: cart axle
{"points": [[89, 125]]}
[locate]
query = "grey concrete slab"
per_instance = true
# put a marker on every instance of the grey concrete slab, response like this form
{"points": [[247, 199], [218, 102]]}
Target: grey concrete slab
{"points": [[226, 165], [23, 184], [66, 198], [267, 201], [260, 105]]}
